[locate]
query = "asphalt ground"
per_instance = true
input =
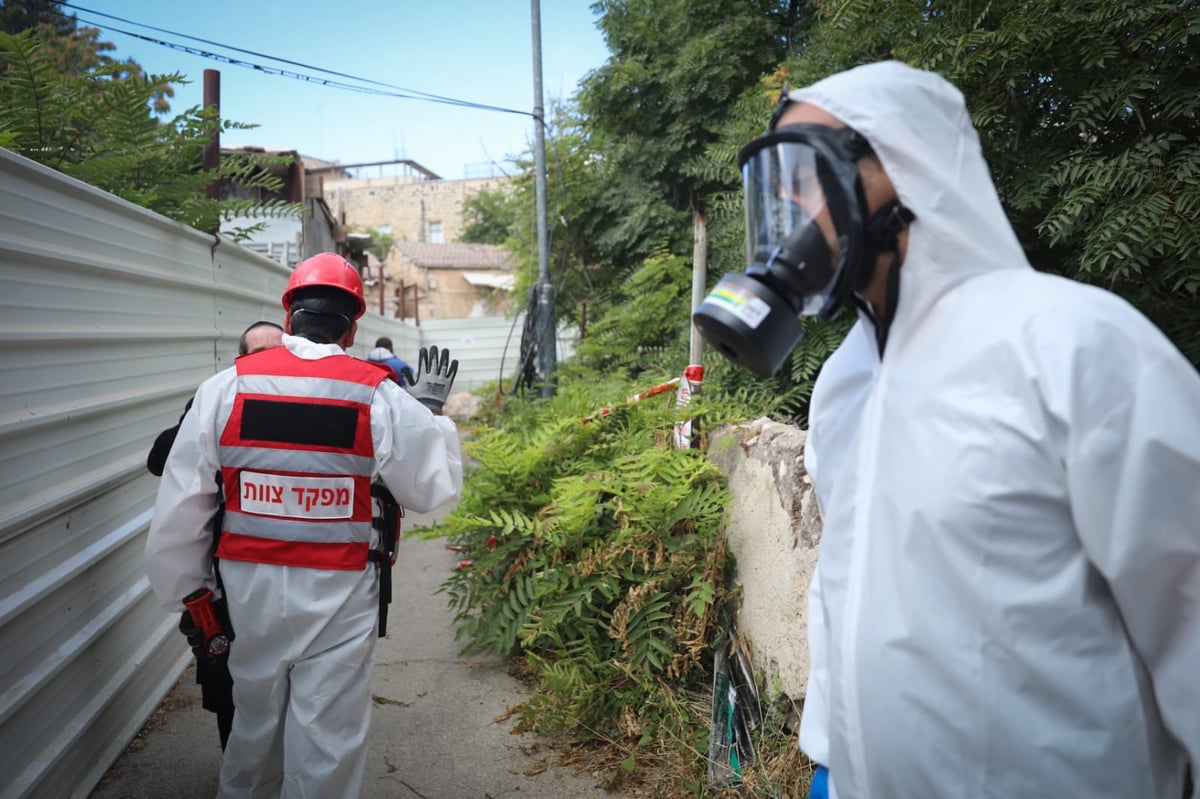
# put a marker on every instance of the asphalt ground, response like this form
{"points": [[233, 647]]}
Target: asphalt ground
{"points": [[440, 722]]}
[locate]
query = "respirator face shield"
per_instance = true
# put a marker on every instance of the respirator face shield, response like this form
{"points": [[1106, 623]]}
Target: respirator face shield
{"points": [[804, 243], [788, 215]]}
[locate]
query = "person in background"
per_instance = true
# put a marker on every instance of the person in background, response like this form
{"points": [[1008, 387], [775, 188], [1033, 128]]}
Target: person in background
{"points": [[260, 336], [1007, 597], [212, 673], [299, 433], [384, 354]]}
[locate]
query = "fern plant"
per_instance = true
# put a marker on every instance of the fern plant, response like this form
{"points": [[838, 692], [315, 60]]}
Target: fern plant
{"points": [[597, 556]]}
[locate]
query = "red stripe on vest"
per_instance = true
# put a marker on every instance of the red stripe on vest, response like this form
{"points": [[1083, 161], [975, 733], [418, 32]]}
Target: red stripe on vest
{"points": [[282, 362], [338, 557]]}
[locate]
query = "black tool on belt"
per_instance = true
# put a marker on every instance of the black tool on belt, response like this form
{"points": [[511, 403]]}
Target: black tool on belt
{"points": [[388, 526]]}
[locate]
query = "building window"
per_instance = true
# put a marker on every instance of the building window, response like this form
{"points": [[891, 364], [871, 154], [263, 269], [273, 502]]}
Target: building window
{"points": [[435, 232]]}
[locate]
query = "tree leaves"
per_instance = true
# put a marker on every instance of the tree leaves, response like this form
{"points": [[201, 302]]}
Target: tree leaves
{"points": [[597, 554], [97, 126]]}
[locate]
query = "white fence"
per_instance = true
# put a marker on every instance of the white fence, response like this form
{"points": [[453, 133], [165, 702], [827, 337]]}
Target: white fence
{"points": [[478, 345], [110, 316]]}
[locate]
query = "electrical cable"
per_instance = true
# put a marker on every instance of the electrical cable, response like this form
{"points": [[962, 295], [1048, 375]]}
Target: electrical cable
{"points": [[529, 346], [507, 343], [528, 349], [399, 92], [526, 373]]}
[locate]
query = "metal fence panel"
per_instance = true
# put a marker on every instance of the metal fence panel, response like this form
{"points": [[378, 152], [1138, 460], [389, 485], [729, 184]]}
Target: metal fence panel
{"points": [[488, 349], [110, 316]]}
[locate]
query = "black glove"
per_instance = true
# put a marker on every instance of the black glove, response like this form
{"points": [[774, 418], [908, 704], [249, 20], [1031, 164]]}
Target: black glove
{"points": [[195, 638], [434, 378]]}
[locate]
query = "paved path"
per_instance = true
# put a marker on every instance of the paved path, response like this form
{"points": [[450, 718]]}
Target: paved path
{"points": [[435, 732]]}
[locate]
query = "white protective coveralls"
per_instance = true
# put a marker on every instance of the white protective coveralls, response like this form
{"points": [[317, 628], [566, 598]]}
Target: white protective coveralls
{"points": [[1007, 601], [305, 638]]}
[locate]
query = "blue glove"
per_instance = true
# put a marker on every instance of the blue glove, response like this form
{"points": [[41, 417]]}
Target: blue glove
{"points": [[820, 784]]}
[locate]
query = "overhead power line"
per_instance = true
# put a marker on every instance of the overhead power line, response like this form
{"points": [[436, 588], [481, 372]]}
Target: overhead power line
{"points": [[399, 92]]}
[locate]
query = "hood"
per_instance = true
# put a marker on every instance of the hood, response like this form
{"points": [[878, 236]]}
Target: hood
{"points": [[918, 125], [380, 354]]}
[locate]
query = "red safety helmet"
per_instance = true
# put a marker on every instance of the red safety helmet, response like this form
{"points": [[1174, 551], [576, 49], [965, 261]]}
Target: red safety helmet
{"points": [[327, 269]]}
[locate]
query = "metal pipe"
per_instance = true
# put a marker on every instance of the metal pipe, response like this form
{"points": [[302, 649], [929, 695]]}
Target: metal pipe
{"points": [[699, 279], [211, 155]]}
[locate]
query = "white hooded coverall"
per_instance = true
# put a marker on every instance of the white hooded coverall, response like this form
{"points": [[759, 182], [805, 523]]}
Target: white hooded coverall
{"points": [[305, 637], [1007, 601]]}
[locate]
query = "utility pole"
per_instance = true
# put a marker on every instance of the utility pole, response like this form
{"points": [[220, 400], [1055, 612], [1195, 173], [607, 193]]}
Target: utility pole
{"points": [[547, 357]]}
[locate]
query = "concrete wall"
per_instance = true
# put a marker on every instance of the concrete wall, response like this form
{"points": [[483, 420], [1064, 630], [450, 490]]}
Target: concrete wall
{"points": [[774, 533], [409, 207]]}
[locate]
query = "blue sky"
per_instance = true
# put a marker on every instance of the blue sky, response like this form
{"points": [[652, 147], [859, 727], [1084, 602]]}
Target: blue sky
{"points": [[477, 50]]}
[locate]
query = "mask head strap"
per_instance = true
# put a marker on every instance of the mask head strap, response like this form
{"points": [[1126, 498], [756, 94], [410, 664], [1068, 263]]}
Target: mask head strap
{"points": [[882, 233], [784, 102]]}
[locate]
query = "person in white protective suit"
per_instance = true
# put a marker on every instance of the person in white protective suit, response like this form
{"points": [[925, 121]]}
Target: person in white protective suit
{"points": [[298, 434], [1007, 600]]}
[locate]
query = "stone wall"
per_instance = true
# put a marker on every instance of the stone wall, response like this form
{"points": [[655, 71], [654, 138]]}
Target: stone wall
{"points": [[774, 533], [410, 208]]}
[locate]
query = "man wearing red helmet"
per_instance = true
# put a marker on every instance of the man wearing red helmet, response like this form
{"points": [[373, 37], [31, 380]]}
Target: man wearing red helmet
{"points": [[299, 433]]}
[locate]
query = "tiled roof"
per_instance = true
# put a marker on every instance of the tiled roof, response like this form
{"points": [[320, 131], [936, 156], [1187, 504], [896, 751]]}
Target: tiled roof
{"points": [[454, 256]]}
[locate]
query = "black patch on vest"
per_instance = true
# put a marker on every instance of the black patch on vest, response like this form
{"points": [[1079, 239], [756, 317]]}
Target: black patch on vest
{"points": [[308, 423]]}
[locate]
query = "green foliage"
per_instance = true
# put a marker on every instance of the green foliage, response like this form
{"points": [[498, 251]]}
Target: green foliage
{"points": [[686, 86], [1087, 113], [597, 556], [490, 215], [646, 324], [74, 50], [22, 15], [645, 334], [381, 243], [1089, 118], [583, 258], [675, 67], [624, 172], [97, 127], [651, 111]]}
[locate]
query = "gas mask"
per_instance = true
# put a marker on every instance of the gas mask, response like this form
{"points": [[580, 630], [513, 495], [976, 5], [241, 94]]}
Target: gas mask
{"points": [[810, 243]]}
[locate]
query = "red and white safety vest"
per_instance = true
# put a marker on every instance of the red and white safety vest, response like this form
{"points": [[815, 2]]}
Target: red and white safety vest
{"points": [[296, 461]]}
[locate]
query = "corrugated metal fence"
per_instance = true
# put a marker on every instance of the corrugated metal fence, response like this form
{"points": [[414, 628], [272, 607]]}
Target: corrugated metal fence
{"points": [[110, 316]]}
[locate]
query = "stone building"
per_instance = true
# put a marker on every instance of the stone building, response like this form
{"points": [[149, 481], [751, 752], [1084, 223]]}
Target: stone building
{"points": [[427, 274], [415, 205], [449, 281]]}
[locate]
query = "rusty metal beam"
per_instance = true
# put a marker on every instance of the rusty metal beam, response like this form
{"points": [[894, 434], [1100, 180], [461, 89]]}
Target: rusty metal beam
{"points": [[336, 167]]}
